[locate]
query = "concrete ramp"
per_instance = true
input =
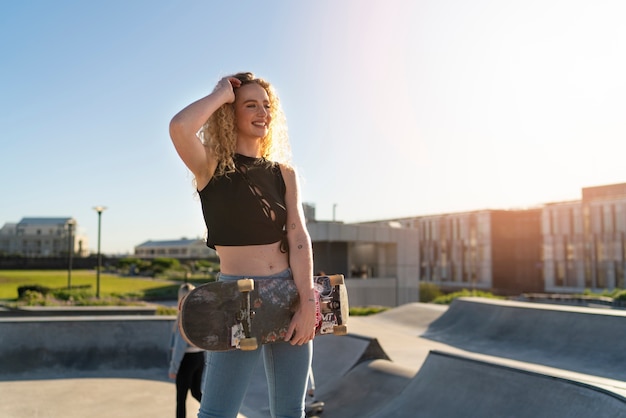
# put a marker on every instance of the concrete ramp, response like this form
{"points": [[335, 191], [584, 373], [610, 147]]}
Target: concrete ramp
{"points": [[412, 316], [334, 356], [584, 340], [452, 386], [364, 389]]}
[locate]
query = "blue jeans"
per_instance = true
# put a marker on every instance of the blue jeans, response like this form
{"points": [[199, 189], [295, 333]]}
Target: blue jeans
{"points": [[228, 375]]}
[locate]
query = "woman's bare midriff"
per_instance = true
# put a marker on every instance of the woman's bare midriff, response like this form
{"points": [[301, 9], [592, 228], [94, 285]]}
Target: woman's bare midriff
{"points": [[252, 260]]}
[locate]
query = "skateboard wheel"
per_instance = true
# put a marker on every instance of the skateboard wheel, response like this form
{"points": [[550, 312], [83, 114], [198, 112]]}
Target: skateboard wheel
{"points": [[340, 330], [248, 344], [336, 279], [245, 285]]}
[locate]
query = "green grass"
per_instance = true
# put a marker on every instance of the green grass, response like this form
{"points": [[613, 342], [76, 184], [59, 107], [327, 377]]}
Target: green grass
{"points": [[110, 285], [113, 289]]}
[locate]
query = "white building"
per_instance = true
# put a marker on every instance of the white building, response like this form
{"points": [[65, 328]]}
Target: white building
{"points": [[181, 249], [43, 237]]}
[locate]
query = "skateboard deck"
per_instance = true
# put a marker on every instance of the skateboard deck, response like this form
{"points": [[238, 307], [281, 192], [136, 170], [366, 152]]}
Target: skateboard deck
{"points": [[245, 313]]}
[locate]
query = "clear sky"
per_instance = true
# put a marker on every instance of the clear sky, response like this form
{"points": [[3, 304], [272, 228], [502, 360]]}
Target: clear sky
{"points": [[395, 108]]}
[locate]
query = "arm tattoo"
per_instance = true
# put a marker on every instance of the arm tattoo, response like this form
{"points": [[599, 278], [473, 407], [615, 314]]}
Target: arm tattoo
{"points": [[300, 246], [293, 226]]}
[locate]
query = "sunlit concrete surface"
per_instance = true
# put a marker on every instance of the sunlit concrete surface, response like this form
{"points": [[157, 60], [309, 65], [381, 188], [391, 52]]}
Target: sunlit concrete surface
{"points": [[476, 358]]}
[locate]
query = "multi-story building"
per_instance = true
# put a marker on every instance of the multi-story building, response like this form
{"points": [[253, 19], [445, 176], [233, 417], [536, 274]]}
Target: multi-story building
{"points": [[496, 250], [584, 241], [558, 247], [564, 246], [43, 237], [455, 250], [182, 248], [606, 235]]}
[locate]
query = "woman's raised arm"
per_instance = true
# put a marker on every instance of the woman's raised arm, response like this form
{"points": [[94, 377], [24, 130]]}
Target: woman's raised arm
{"points": [[185, 125]]}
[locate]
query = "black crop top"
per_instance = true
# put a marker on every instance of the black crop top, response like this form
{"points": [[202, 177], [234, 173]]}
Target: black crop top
{"points": [[247, 206]]}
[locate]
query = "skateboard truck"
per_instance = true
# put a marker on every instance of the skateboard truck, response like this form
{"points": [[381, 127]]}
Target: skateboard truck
{"points": [[247, 343], [332, 306]]}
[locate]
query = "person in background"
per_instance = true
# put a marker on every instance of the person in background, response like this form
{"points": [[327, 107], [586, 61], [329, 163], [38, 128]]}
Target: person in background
{"points": [[235, 143], [186, 363]]}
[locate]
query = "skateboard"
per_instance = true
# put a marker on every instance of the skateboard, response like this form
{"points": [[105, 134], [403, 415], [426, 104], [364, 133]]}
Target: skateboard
{"points": [[245, 313]]}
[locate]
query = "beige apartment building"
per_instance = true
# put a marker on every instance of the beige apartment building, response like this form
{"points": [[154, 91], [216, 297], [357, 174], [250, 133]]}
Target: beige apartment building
{"points": [[43, 237]]}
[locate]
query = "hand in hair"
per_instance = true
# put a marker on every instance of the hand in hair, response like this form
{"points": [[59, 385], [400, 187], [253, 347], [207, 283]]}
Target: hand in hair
{"points": [[225, 88]]}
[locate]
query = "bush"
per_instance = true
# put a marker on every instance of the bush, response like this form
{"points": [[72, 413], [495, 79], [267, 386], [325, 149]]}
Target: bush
{"points": [[447, 299], [72, 295], [165, 310], [160, 264], [42, 290], [133, 266], [429, 292], [621, 295], [205, 264], [33, 298], [366, 310]]}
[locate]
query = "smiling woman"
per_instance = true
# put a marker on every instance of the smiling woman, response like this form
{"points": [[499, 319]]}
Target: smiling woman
{"points": [[250, 199], [252, 107]]}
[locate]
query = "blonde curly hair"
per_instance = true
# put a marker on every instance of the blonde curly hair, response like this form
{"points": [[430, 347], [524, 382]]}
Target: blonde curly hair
{"points": [[219, 133]]}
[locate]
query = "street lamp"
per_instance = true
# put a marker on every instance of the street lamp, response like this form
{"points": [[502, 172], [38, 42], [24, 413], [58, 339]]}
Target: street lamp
{"points": [[70, 250], [99, 209]]}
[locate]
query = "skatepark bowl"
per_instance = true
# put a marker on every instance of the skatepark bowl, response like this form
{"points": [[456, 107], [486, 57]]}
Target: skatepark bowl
{"points": [[475, 358]]}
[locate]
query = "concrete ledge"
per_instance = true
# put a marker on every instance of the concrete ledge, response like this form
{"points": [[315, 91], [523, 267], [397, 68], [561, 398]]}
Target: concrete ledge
{"points": [[69, 346], [77, 311]]}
